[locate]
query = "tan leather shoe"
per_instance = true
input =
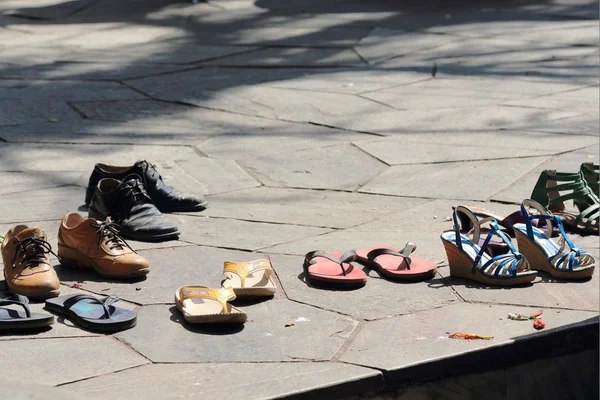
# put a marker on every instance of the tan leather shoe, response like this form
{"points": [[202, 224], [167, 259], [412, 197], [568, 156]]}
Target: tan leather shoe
{"points": [[27, 266], [86, 242]]}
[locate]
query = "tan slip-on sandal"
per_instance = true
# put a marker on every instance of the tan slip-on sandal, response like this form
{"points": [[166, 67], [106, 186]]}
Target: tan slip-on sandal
{"points": [[202, 305], [249, 279]]}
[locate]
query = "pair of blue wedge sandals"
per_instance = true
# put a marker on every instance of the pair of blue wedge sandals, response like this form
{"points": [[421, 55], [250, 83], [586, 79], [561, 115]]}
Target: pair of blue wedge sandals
{"points": [[469, 257], [88, 312]]}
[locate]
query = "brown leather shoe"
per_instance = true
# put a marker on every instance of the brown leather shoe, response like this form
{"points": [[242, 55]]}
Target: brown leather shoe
{"points": [[27, 266], [95, 244]]}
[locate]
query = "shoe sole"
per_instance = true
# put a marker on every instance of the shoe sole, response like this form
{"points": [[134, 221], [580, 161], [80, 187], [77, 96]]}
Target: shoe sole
{"points": [[198, 208], [72, 259]]}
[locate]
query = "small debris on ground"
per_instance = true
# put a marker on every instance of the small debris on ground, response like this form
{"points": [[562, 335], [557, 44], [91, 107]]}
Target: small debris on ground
{"points": [[289, 324], [539, 324], [138, 288], [447, 219], [522, 317], [468, 336]]}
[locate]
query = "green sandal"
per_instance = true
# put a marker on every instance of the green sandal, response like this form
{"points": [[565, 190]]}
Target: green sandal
{"points": [[547, 193], [591, 174]]}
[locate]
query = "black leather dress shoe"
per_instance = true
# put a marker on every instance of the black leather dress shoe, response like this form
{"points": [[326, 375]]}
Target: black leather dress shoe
{"points": [[127, 203], [164, 197]]}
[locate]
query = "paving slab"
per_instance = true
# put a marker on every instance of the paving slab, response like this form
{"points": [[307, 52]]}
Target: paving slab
{"points": [[104, 132], [545, 291], [424, 336], [159, 52], [269, 380], [527, 28], [88, 357], [29, 391], [318, 208], [316, 335], [40, 204], [189, 85], [469, 146], [285, 104], [297, 57], [568, 162], [170, 268], [351, 80], [23, 182], [312, 168], [273, 137], [478, 119], [66, 91], [14, 112], [480, 179], [215, 176], [583, 34], [381, 44], [489, 54], [57, 158], [579, 124], [584, 100], [243, 235], [379, 298], [138, 110], [122, 34], [91, 71], [464, 93], [284, 34]]}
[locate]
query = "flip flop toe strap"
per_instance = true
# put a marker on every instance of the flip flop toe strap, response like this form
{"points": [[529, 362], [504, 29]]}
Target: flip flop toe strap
{"points": [[105, 303], [243, 269], [404, 253], [18, 300], [347, 257]]}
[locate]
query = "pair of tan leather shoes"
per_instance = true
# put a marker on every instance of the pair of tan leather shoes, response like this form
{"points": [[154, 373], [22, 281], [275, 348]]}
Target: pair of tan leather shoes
{"points": [[82, 243]]}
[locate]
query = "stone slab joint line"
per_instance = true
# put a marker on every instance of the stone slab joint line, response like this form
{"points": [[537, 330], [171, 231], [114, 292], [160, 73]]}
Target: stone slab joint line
{"points": [[105, 374], [122, 342]]}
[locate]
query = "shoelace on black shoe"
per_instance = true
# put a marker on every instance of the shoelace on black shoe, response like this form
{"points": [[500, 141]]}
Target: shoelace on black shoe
{"points": [[131, 193], [110, 231], [34, 250]]}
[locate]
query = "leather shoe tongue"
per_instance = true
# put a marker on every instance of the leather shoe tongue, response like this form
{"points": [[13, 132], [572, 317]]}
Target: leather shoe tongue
{"points": [[31, 232]]}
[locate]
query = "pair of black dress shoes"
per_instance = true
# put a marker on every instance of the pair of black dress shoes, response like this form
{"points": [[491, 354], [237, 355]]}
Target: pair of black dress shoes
{"points": [[135, 198]]}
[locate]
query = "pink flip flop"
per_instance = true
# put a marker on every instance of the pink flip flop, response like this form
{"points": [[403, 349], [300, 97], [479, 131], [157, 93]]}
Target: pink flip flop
{"points": [[333, 269], [397, 264]]}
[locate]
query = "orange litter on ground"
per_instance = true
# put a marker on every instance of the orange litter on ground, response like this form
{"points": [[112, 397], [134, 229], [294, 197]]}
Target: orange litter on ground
{"points": [[468, 336]]}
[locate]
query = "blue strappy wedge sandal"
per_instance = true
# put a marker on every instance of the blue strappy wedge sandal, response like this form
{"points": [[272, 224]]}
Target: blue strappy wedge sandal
{"points": [[563, 260], [470, 261]]}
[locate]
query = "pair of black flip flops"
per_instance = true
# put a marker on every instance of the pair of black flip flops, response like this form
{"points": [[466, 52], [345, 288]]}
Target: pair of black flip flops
{"points": [[85, 311]]}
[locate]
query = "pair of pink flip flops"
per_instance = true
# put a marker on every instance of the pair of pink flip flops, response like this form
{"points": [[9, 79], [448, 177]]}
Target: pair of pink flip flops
{"points": [[334, 268]]}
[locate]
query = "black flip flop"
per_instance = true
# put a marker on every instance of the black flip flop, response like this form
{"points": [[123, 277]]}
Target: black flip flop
{"points": [[91, 313], [18, 320]]}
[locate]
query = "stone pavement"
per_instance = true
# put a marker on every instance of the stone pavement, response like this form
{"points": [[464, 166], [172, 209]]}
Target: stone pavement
{"points": [[309, 125]]}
